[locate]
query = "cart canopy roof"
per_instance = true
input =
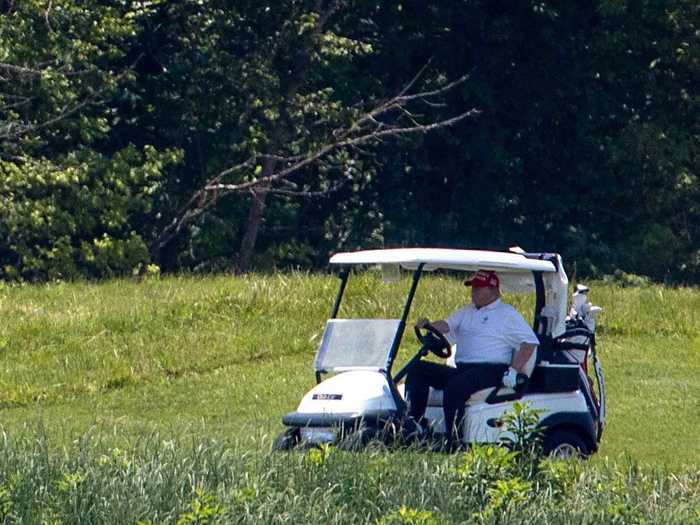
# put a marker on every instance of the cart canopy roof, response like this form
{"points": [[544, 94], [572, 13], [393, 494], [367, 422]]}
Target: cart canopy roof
{"points": [[443, 258]]}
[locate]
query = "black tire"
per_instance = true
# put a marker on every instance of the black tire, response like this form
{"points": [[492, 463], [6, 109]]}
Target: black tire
{"points": [[565, 444], [412, 433], [388, 433], [287, 440]]}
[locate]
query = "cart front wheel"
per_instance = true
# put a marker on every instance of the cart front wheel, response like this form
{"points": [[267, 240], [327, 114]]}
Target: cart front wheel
{"points": [[357, 439], [287, 440]]}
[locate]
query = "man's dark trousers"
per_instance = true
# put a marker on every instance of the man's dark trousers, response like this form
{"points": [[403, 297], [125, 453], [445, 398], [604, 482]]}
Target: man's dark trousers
{"points": [[457, 384]]}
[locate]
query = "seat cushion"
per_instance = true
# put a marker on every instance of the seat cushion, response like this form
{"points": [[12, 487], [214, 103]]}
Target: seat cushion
{"points": [[435, 395], [481, 395]]}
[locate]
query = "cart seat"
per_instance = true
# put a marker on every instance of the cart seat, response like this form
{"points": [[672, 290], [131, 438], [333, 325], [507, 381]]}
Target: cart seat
{"points": [[500, 393]]}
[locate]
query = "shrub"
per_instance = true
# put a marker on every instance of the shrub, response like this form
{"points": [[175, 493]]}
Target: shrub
{"points": [[77, 216]]}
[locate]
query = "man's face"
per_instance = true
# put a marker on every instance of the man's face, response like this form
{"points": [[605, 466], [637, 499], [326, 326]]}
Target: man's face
{"points": [[482, 296]]}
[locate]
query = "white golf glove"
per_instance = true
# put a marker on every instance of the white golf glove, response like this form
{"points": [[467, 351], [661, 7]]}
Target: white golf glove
{"points": [[510, 378]]}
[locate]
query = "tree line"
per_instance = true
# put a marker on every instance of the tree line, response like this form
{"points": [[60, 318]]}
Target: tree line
{"points": [[219, 135]]}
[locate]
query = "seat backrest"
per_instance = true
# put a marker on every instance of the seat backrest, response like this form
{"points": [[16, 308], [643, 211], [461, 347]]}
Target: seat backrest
{"points": [[530, 365], [450, 361]]}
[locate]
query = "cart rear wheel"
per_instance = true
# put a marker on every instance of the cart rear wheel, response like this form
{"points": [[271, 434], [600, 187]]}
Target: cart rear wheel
{"points": [[565, 444]]}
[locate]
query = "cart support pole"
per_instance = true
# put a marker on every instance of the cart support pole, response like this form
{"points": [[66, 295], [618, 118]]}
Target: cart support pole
{"points": [[344, 274], [540, 325], [404, 317]]}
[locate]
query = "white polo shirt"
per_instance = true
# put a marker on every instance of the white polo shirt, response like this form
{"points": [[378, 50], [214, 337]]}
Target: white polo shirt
{"points": [[488, 334]]}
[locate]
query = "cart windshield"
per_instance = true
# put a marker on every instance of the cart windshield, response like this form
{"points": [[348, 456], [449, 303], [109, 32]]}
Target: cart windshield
{"points": [[349, 344]]}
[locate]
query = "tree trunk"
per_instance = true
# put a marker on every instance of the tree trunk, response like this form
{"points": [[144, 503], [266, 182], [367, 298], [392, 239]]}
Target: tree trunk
{"points": [[255, 217]]}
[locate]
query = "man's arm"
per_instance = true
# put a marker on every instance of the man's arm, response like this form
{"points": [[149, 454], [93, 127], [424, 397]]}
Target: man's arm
{"points": [[440, 325], [520, 359], [522, 355]]}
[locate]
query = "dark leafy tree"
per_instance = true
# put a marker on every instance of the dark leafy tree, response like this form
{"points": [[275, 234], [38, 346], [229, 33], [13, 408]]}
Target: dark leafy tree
{"points": [[69, 205]]}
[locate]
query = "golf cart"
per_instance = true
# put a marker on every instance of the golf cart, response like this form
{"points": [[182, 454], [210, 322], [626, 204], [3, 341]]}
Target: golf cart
{"points": [[362, 398]]}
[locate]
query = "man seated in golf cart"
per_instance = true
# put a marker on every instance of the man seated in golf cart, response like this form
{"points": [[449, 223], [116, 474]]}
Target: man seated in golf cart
{"points": [[494, 344]]}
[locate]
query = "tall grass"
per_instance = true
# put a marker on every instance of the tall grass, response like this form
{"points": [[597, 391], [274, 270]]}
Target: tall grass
{"points": [[206, 481]]}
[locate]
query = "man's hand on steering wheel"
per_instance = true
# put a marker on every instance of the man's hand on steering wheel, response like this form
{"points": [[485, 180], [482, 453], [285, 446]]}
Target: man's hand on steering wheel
{"points": [[434, 340], [420, 323]]}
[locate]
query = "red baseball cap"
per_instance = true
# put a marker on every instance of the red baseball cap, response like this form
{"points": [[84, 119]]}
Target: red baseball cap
{"points": [[483, 279]]}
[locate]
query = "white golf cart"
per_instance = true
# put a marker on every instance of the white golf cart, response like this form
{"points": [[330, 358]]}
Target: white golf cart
{"points": [[362, 397]]}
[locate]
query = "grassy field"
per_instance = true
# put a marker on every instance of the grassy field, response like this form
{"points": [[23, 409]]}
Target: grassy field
{"points": [[126, 364]]}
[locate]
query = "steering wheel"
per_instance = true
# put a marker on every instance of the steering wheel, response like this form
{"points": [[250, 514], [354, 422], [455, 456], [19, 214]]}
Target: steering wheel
{"points": [[434, 340]]}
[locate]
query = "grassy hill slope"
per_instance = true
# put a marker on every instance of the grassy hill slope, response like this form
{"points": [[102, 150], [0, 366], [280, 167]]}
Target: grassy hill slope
{"points": [[226, 357]]}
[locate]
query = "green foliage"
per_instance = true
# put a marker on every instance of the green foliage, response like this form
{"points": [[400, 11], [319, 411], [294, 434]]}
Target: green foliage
{"points": [[506, 497], [75, 218], [72, 204], [521, 428], [483, 466], [598, 161], [283, 91], [408, 516], [60, 60], [523, 436], [626, 280], [208, 481], [6, 502], [318, 456], [503, 475], [646, 63], [204, 509]]}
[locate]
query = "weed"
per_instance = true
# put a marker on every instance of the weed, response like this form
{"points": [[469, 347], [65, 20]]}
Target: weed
{"points": [[408, 516], [204, 509], [523, 436], [317, 456]]}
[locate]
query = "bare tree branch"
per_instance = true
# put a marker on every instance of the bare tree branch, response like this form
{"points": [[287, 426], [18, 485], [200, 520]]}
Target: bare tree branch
{"points": [[40, 69], [434, 104], [387, 119], [305, 194], [18, 104], [413, 81], [366, 129], [401, 99], [436, 92], [46, 16], [280, 158], [11, 131], [12, 68], [362, 139]]}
